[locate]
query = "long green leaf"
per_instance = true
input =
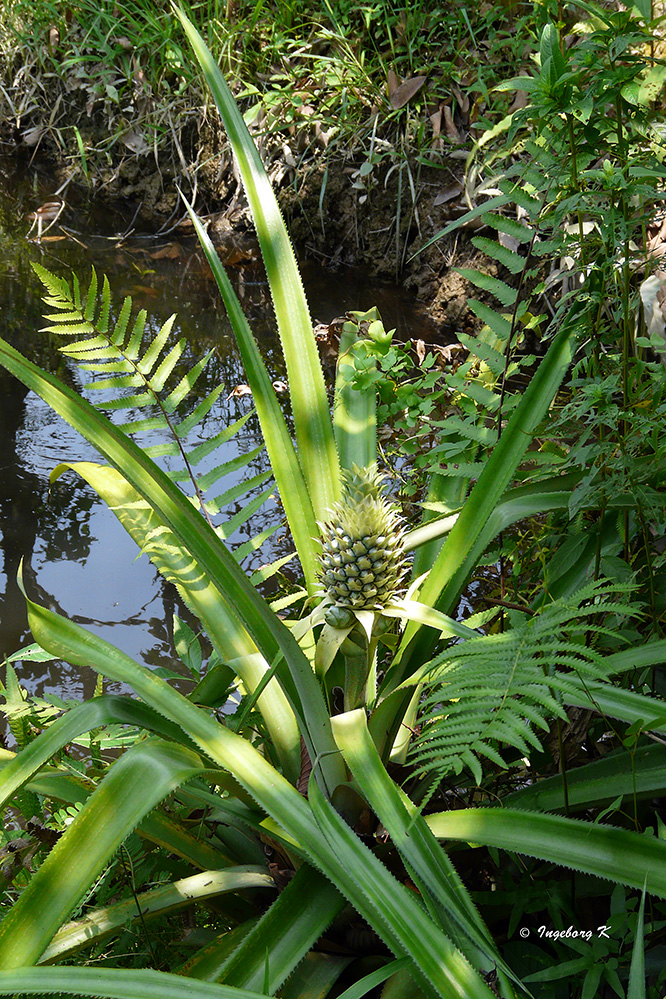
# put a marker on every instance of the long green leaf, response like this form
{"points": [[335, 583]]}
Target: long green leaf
{"points": [[285, 933], [407, 929], [140, 779], [114, 983], [624, 773], [208, 553], [321, 836], [203, 597], [629, 858], [426, 860], [636, 985], [289, 477], [84, 717], [102, 923], [354, 411], [314, 432], [466, 540]]}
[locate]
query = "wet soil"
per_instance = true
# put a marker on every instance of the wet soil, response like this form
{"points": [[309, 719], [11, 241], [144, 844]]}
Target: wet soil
{"points": [[379, 228]]}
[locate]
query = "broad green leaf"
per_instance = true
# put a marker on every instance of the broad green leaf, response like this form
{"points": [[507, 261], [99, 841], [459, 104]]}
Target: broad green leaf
{"points": [[113, 983], [207, 551], [140, 779], [314, 432], [354, 411], [320, 835], [83, 718], [623, 773], [286, 468], [629, 858], [425, 859], [285, 933], [407, 928], [316, 976], [615, 702], [102, 923], [206, 600]]}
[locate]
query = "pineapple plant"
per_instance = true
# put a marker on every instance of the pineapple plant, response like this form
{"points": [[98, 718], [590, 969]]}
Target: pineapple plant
{"points": [[363, 560]]}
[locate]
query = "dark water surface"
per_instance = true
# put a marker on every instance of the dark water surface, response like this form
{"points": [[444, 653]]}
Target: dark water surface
{"points": [[78, 559]]}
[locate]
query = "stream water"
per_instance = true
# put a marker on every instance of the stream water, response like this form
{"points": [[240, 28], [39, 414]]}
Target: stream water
{"points": [[77, 558]]}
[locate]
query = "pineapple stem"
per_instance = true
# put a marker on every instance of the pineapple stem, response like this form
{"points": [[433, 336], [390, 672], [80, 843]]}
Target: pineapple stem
{"points": [[357, 666]]}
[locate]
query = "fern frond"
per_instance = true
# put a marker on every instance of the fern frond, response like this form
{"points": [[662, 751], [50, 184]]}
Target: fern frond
{"points": [[508, 258], [494, 692], [500, 289], [135, 366]]}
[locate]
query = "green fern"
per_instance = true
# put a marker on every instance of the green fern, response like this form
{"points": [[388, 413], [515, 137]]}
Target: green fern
{"points": [[500, 689], [137, 368]]}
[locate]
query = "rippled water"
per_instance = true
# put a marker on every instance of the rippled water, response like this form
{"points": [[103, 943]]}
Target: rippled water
{"points": [[78, 558]]}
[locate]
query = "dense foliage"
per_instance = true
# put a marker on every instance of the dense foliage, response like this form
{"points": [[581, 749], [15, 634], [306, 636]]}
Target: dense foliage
{"points": [[365, 787]]}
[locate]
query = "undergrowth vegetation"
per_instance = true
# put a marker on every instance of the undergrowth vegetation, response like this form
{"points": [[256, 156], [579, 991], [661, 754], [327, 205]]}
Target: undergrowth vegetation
{"points": [[434, 764]]}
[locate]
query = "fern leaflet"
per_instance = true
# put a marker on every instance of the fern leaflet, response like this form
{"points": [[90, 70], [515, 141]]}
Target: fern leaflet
{"points": [[497, 690]]}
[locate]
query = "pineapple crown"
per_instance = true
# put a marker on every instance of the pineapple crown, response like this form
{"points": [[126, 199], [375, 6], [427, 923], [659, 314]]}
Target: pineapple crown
{"points": [[363, 508], [362, 554]]}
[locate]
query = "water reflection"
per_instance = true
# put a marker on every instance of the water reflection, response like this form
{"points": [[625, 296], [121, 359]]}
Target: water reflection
{"points": [[77, 558]]}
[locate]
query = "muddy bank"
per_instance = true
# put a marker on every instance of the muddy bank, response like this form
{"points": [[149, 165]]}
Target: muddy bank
{"points": [[339, 212]]}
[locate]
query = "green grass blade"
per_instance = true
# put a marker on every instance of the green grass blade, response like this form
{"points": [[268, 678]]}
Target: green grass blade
{"points": [[630, 858], [314, 432], [636, 985], [115, 983], [375, 978], [140, 779]]}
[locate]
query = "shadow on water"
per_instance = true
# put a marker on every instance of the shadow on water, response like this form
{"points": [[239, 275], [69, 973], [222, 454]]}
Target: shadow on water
{"points": [[77, 558]]}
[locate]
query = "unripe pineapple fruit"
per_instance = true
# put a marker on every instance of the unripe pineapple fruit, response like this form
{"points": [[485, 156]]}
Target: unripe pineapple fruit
{"points": [[363, 560]]}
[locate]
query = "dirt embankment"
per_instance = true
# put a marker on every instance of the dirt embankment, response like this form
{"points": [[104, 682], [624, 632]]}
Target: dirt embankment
{"points": [[341, 209]]}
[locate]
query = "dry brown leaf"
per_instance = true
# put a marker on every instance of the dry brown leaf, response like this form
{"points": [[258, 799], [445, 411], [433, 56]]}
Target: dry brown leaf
{"points": [[510, 242], [521, 100], [406, 91], [136, 142], [393, 82], [54, 38], [462, 99], [452, 132], [420, 348], [448, 194], [32, 135], [169, 252], [240, 391]]}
